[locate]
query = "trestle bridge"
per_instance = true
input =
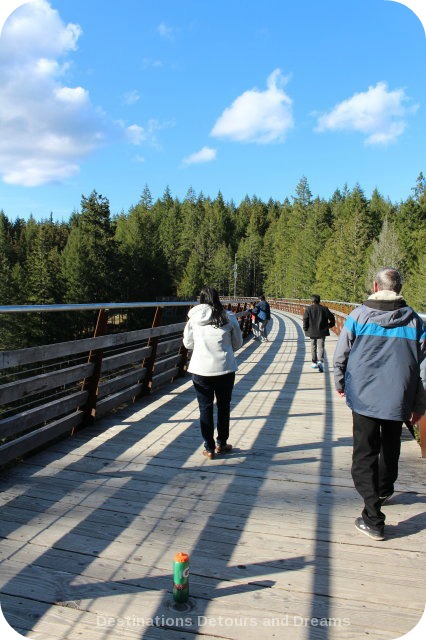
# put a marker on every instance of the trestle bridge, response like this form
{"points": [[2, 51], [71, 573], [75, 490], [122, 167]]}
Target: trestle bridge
{"points": [[103, 481]]}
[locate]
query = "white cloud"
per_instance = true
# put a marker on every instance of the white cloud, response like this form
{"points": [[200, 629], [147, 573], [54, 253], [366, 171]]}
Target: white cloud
{"points": [[46, 127], [152, 63], [165, 31], [131, 97], [36, 30], [378, 113], [76, 96], [135, 134], [206, 154], [258, 116]]}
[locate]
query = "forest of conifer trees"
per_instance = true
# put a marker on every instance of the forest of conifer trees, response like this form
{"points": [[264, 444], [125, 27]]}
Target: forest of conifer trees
{"points": [[170, 247]]}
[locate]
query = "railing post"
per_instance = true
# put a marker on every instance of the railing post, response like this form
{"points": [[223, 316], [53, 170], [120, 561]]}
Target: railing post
{"points": [[183, 352], [95, 356], [149, 363]]}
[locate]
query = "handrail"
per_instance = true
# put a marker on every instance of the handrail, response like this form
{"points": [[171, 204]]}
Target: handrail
{"points": [[110, 306]]}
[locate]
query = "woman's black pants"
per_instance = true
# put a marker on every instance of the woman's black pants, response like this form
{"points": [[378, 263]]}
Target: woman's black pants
{"points": [[207, 388]]}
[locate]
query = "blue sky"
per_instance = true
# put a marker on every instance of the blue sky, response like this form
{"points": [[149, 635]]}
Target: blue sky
{"points": [[241, 96]]}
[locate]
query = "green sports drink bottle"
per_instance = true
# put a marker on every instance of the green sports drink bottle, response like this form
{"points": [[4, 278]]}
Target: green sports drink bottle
{"points": [[181, 577]]}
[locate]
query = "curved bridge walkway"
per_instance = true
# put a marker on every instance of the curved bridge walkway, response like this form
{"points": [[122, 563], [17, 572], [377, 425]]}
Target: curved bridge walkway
{"points": [[90, 526]]}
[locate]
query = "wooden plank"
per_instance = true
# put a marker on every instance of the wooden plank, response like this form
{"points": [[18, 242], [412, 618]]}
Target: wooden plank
{"points": [[165, 377], [20, 357], [120, 382], [169, 346], [111, 363], [34, 619], [26, 419], [38, 384], [167, 329], [117, 399], [27, 443], [167, 363]]}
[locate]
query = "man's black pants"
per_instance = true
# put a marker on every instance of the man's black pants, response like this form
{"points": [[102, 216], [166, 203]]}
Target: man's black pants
{"points": [[376, 449]]}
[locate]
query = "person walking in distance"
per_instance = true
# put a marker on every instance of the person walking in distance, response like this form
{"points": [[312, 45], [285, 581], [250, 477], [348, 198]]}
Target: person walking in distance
{"points": [[213, 335], [317, 322], [263, 314], [254, 321], [380, 366]]}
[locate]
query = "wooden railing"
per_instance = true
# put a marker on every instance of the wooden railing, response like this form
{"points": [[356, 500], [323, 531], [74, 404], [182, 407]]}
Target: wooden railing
{"points": [[50, 391]]}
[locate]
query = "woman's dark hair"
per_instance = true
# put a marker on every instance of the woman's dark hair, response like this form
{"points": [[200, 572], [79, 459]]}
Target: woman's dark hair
{"points": [[210, 296]]}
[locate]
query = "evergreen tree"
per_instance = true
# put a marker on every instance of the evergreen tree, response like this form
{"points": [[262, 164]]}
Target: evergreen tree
{"points": [[242, 218], [146, 199], [168, 216], [192, 216], [44, 284], [415, 287], [7, 291], [385, 251], [143, 269], [89, 257], [277, 239], [250, 272], [222, 278], [410, 224], [193, 277], [341, 265], [302, 254]]}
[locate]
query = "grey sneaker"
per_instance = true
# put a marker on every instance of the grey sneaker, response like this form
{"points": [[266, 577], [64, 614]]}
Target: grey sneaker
{"points": [[320, 366], [375, 534]]}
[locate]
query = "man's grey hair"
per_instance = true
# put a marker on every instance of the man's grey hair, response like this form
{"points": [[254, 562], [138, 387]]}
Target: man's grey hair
{"points": [[389, 279]]}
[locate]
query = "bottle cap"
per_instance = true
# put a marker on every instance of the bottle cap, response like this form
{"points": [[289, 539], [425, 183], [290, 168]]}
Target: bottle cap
{"points": [[181, 557]]}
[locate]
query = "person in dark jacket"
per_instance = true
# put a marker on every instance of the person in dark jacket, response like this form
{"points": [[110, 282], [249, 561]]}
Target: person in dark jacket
{"points": [[380, 366], [317, 321], [262, 311]]}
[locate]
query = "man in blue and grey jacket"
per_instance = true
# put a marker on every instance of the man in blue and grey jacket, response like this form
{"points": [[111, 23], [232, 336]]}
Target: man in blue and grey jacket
{"points": [[380, 366]]}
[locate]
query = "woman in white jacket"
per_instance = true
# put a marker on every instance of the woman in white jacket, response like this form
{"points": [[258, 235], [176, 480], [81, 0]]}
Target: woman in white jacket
{"points": [[213, 335]]}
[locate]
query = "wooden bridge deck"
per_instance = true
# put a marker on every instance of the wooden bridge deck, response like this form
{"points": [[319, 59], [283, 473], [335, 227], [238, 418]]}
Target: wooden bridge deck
{"points": [[90, 526]]}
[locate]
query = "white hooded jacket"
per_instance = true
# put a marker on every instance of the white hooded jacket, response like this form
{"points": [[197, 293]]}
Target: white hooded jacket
{"points": [[212, 347]]}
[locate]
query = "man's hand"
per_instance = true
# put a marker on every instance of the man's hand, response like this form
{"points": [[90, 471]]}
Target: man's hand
{"points": [[340, 393], [415, 417]]}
